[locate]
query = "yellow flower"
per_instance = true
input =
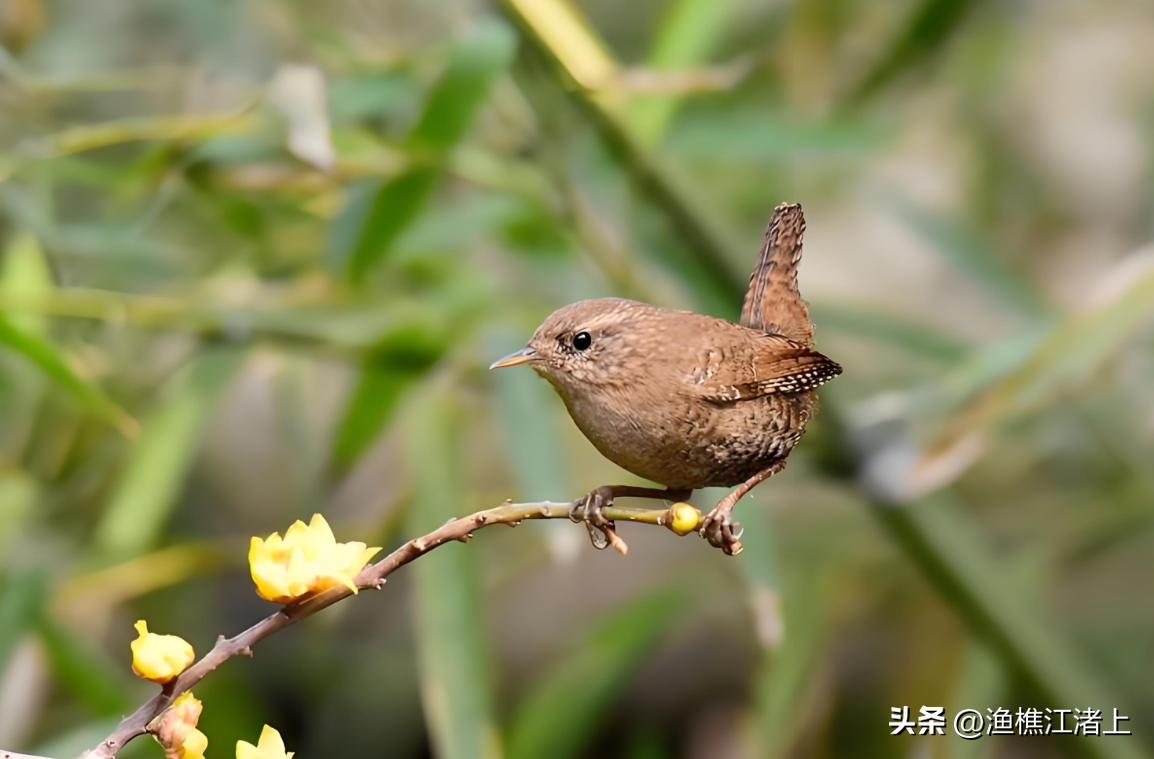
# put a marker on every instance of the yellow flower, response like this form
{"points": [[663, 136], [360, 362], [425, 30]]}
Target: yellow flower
{"points": [[270, 746], [306, 561], [193, 746], [683, 518], [159, 658], [176, 730]]}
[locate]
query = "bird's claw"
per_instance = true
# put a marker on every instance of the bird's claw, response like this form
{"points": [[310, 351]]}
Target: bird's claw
{"points": [[589, 510], [721, 531]]}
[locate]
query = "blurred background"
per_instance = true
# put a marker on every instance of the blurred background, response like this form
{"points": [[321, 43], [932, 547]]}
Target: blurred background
{"points": [[255, 258]]}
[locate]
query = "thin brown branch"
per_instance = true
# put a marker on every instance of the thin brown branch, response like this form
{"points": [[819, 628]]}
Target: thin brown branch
{"points": [[372, 576]]}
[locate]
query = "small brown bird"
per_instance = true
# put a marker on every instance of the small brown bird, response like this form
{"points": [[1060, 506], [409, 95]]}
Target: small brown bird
{"points": [[686, 400]]}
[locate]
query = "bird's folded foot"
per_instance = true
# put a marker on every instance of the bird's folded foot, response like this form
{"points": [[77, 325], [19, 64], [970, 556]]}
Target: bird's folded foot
{"points": [[718, 526], [721, 531], [589, 509]]}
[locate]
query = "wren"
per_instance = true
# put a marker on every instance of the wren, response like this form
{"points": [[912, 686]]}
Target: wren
{"points": [[685, 400]]}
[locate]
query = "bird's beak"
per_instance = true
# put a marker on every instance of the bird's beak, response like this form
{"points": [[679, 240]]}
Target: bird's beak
{"points": [[520, 357]]}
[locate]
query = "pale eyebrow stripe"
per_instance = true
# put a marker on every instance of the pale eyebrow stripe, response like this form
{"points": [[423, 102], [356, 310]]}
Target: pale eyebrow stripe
{"points": [[597, 324]]}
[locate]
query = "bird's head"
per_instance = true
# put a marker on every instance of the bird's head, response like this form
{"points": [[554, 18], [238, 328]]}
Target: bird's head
{"points": [[584, 345]]}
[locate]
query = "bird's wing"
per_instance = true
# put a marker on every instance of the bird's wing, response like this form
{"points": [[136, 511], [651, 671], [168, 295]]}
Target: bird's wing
{"points": [[773, 303], [778, 365]]}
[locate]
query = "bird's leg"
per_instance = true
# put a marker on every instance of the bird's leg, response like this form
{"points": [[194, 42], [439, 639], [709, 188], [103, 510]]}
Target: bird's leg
{"points": [[590, 510], [718, 528]]}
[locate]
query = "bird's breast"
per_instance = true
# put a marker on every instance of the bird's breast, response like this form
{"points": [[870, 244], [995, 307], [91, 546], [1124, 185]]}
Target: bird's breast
{"points": [[680, 441]]}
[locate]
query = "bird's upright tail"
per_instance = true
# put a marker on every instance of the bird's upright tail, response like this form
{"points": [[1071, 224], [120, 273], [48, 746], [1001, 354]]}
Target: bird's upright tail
{"points": [[773, 303]]}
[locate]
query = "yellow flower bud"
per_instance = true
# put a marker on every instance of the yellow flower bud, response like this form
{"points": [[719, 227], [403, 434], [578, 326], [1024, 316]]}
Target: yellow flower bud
{"points": [[270, 746], [306, 561], [683, 518], [176, 730], [159, 658]]}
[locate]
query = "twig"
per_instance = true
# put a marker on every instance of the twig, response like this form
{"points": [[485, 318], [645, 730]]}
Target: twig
{"points": [[372, 576]]}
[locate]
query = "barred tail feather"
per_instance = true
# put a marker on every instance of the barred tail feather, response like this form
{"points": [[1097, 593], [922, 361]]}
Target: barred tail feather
{"points": [[773, 303]]}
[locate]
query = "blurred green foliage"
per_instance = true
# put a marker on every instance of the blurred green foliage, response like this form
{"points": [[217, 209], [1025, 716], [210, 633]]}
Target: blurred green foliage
{"points": [[255, 258]]}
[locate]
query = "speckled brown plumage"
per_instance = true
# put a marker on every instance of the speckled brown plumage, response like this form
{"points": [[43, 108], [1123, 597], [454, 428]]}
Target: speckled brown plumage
{"points": [[713, 402], [686, 400]]}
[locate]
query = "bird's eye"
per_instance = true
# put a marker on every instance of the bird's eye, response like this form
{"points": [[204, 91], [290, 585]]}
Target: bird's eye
{"points": [[582, 340]]}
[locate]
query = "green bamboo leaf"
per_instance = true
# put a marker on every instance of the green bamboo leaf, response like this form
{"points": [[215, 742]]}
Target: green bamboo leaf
{"points": [[110, 586], [21, 599], [924, 35], [689, 31], [981, 680], [1068, 356], [393, 208], [86, 137], [393, 367], [48, 358], [478, 58], [85, 670], [355, 98], [451, 225], [375, 398], [26, 274], [18, 493], [453, 658], [475, 63], [149, 487], [559, 715], [986, 365]]}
